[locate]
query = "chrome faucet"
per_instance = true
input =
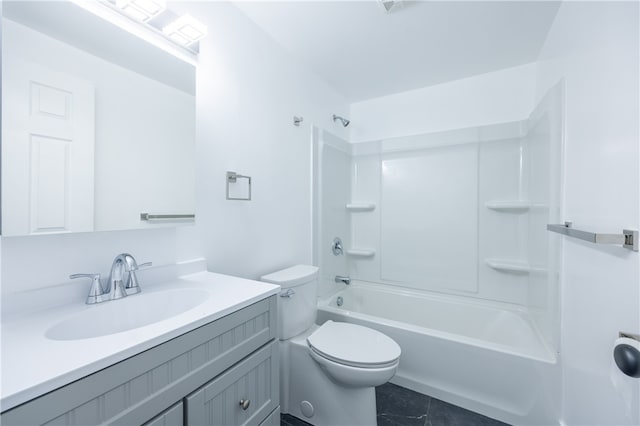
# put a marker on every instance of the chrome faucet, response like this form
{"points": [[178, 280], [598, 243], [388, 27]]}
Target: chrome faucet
{"points": [[96, 292], [116, 286], [123, 262], [341, 279]]}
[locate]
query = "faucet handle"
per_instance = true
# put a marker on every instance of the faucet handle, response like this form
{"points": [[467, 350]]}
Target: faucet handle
{"points": [[132, 286], [96, 292]]}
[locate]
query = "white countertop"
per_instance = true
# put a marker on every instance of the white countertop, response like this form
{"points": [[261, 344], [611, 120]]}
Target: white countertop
{"points": [[32, 364]]}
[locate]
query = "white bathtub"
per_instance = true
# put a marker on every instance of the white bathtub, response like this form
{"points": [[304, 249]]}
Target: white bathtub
{"points": [[480, 356]]}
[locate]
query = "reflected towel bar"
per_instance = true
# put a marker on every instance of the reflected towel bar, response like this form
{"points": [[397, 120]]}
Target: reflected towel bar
{"points": [[628, 239], [147, 216]]}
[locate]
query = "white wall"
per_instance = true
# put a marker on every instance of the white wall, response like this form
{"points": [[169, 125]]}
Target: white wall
{"points": [[594, 47], [491, 98], [248, 90], [40, 261]]}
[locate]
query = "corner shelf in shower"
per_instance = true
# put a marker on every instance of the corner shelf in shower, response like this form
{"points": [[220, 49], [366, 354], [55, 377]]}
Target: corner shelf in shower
{"points": [[509, 265], [361, 252], [360, 207], [513, 205]]}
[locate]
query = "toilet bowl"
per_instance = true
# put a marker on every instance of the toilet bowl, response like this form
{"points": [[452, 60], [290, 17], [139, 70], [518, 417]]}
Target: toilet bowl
{"points": [[353, 355], [327, 372]]}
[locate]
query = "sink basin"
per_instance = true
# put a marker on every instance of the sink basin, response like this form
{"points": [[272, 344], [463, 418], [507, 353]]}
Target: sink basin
{"points": [[126, 314]]}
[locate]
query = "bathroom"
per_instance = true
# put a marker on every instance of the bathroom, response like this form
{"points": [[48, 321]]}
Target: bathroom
{"points": [[450, 92]]}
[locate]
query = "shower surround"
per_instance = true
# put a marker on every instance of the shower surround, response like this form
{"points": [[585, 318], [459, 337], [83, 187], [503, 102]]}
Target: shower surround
{"points": [[446, 246]]}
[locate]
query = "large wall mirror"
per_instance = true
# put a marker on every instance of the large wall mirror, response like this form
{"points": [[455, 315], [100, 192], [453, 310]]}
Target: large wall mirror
{"points": [[98, 126]]}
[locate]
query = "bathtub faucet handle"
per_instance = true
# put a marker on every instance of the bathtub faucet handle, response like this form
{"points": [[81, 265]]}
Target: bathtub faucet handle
{"points": [[341, 279], [336, 246]]}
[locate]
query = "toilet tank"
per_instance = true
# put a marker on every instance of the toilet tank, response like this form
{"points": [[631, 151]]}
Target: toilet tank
{"points": [[297, 298]]}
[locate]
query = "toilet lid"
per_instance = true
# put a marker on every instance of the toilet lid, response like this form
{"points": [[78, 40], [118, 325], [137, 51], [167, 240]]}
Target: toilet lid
{"points": [[354, 345]]}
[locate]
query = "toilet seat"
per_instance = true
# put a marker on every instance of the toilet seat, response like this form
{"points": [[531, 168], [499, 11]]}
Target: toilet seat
{"points": [[354, 345], [357, 377]]}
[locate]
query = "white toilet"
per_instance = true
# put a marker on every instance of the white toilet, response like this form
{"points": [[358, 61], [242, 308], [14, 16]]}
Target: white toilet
{"points": [[327, 373]]}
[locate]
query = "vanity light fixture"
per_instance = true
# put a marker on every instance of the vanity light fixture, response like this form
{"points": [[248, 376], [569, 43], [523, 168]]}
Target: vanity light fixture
{"points": [[185, 30], [142, 10]]}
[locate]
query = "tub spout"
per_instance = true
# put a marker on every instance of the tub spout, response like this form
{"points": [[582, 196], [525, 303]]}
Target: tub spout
{"points": [[341, 279]]}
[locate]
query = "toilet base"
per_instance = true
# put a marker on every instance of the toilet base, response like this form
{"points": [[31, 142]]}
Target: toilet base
{"points": [[306, 389]]}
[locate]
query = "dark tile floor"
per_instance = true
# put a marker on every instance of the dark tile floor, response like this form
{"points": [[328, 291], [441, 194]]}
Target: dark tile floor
{"points": [[398, 406]]}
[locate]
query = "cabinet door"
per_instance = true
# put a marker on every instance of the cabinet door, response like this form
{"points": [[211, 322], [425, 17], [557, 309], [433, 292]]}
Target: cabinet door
{"points": [[244, 395], [172, 416], [273, 419]]}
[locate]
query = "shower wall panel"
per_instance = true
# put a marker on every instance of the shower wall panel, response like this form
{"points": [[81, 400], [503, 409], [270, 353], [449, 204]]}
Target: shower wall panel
{"points": [[365, 226], [543, 170], [464, 212], [502, 232], [335, 193], [433, 227], [429, 218]]}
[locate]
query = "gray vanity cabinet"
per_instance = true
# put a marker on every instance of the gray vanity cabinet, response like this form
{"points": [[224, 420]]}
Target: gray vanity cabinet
{"points": [[194, 379], [244, 395], [172, 416]]}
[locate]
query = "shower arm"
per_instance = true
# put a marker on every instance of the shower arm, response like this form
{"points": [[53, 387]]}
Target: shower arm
{"points": [[342, 120]]}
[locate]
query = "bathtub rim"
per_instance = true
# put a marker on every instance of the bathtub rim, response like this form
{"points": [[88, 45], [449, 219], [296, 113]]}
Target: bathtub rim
{"points": [[397, 288], [550, 355]]}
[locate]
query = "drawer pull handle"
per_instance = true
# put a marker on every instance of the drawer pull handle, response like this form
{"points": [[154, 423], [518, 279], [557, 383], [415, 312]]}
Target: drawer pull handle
{"points": [[244, 403]]}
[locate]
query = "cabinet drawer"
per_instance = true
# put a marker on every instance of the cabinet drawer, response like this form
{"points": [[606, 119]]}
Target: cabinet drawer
{"points": [[254, 380], [138, 388], [172, 416]]}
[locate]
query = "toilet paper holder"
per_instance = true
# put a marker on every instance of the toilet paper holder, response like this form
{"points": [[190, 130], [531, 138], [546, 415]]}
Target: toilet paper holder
{"points": [[626, 354], [629, 335]]}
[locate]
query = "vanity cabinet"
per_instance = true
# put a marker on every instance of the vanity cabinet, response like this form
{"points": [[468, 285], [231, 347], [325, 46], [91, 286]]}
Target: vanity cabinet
{"points": [[172, 416], [197, 378], [245, 394]]}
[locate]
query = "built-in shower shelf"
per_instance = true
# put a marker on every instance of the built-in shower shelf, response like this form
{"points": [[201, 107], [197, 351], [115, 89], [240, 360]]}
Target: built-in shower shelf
{"points": [[360, 207], [509, 265], [513, 205], [361, 252]]}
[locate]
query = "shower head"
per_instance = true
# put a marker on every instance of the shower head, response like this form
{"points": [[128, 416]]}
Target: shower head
{"points": [[343, 120]]}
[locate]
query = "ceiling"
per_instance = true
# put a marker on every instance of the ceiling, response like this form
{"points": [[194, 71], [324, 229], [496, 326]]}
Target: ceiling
{"points": [[365, 53]]}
